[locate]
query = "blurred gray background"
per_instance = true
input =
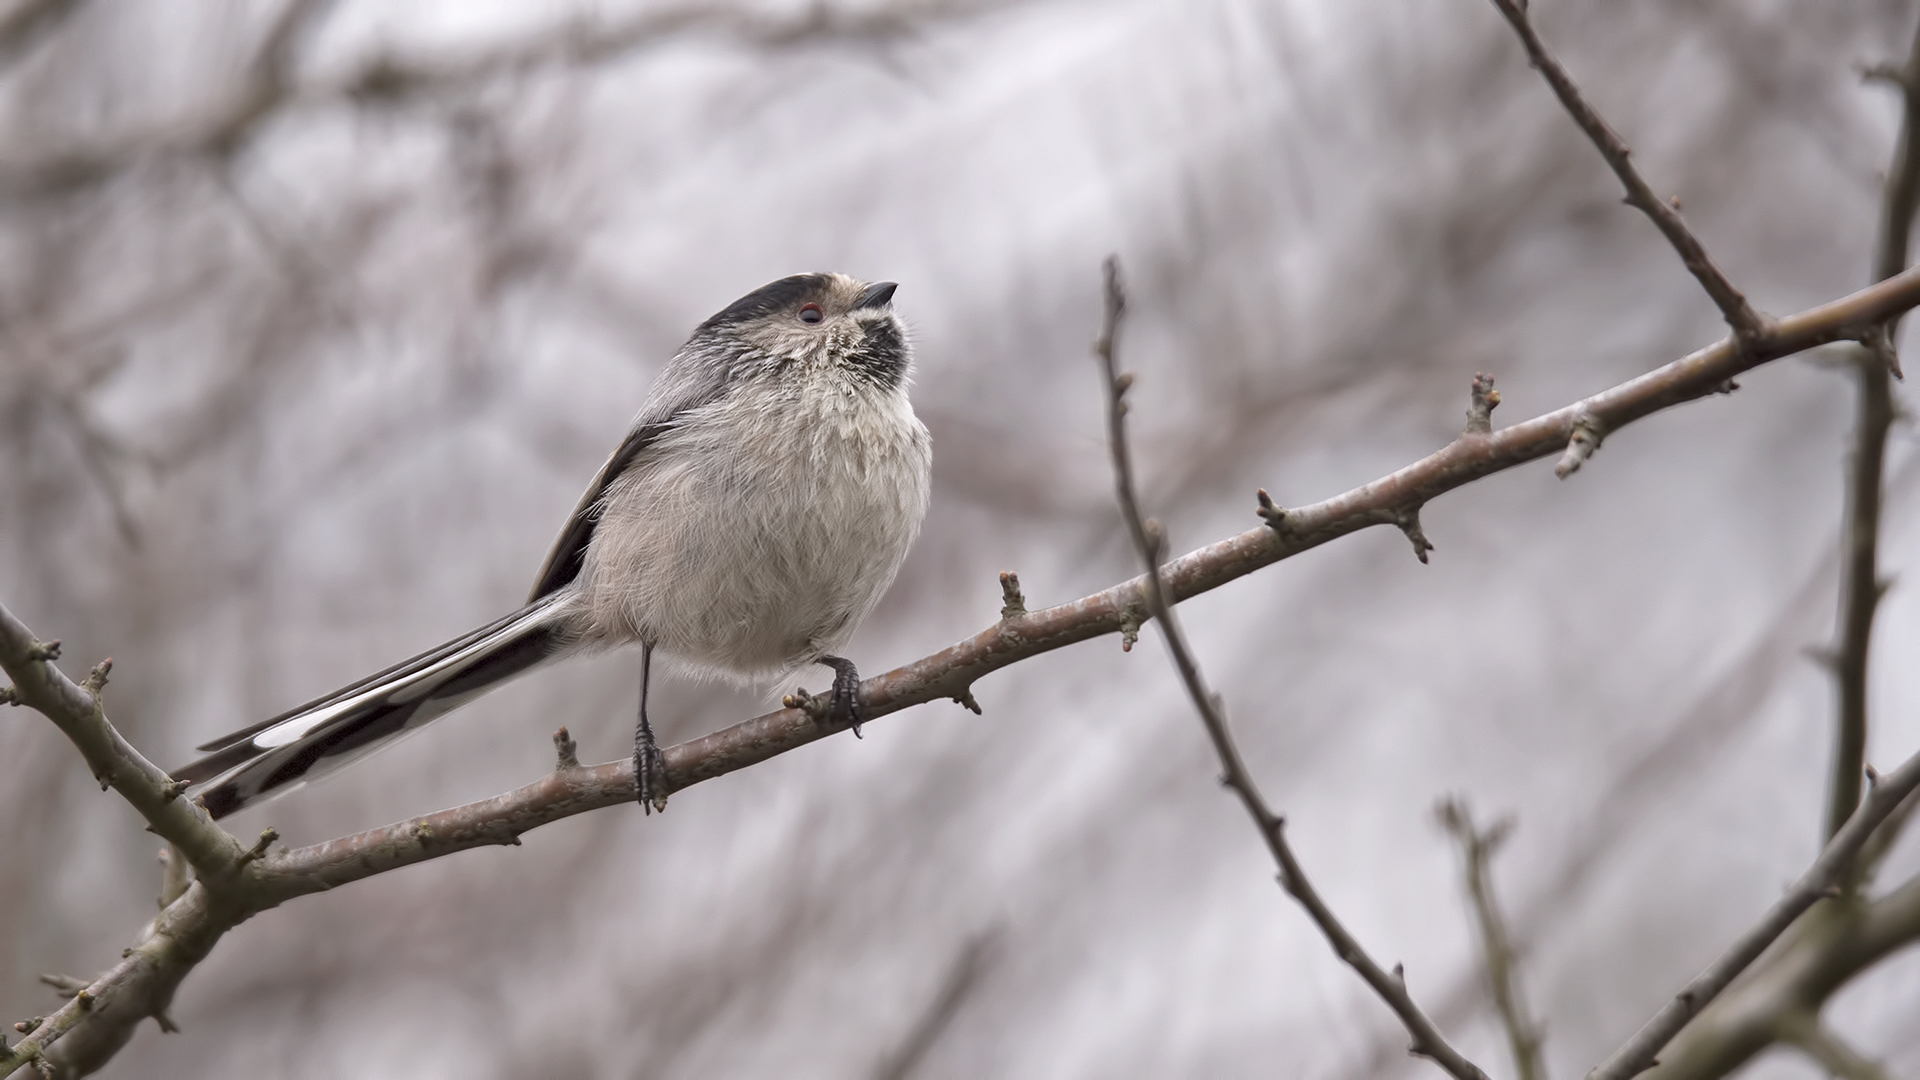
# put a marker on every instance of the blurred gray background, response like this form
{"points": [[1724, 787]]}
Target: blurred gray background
{"points": [[316, 319]]}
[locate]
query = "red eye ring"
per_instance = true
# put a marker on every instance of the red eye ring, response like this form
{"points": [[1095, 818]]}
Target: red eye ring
{"points": [[811, 313]]}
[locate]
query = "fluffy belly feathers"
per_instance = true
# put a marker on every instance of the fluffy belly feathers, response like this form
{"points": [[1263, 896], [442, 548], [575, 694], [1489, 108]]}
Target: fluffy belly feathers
{"points": [[809, 522]]}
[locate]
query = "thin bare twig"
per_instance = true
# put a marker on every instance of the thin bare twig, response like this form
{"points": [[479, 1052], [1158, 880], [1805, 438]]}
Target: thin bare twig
{"points": [[1477, 849], [1776, 998], [1903, 179], [1148, 541], [1885, 838], [1831, 1051], [1748, 324], [1821, 881], [1861, 586]]}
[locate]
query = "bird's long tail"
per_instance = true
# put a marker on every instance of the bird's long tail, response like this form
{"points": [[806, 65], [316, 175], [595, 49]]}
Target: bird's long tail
{"points": [[278, 755]]}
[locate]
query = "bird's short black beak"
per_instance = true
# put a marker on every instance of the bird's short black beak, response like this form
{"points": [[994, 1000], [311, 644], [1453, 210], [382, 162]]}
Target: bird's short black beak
{"points": [[877, 295]]}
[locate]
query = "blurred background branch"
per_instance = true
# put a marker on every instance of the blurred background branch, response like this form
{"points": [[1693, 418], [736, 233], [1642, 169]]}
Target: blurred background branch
{"points": [[1477, 848]]}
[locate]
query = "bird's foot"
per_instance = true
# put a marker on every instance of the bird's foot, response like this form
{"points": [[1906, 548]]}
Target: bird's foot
{"points": [[649, 770], [845, 696]]}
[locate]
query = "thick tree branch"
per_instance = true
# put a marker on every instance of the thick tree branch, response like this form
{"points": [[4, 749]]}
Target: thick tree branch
{"points": [[77, 711], [95, 1023], [1477, 848], [1821, 881], [1388, 500], [1149, 542], [489, 822], [1748, 324]]}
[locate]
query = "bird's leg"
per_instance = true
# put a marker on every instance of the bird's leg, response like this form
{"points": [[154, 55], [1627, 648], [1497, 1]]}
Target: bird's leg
{"points": [[846, 692], [649, 768]]}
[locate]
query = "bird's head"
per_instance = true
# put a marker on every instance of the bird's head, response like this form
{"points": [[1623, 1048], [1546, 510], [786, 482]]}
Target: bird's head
{"points": [[818, 320]]}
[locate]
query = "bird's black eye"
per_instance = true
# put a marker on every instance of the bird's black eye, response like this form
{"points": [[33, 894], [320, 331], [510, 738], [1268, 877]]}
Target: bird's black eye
{"points": [[811, 313]]}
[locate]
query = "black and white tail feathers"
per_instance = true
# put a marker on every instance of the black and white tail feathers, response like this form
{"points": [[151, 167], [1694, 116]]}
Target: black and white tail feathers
{"points": [[277, 755]]}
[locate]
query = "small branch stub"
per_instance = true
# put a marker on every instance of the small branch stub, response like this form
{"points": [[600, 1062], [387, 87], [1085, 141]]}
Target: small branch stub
{"points": [[1013, 603], [1484, 399], [8, 696], [1409, 522], [819, 707], [1116, 299], [1130, 627], [1879, 344], [566, 751], [1275, 516], [259, 849], [65, 985], [1891, 74], [96, 680], [965, 700], [1587, 434], [46, 651]]}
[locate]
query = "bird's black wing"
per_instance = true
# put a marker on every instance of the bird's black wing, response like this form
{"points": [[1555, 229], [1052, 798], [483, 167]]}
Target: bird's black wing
{"points": [[684, 387]]}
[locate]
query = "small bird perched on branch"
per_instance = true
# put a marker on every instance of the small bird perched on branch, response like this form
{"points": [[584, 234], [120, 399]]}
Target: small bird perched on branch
{"points": [[759, 507]]}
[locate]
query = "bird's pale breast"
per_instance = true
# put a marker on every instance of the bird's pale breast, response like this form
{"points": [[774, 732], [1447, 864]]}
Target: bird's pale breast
{"points": [[779, 547]]}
